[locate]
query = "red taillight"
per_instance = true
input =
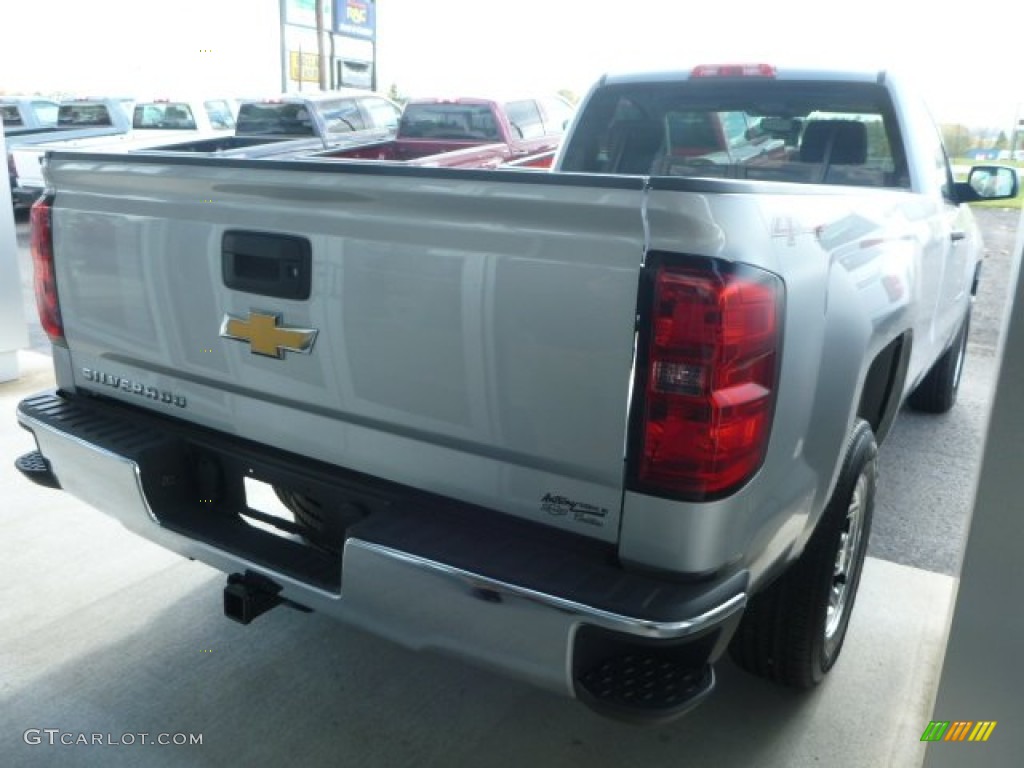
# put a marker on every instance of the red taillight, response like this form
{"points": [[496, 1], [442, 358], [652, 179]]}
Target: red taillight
{"points": [[45, 275], [710, 379], [734, 70]]}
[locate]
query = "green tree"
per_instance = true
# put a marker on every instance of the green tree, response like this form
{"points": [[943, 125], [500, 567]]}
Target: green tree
{"points": [[957, 138], [394, 94], [1002, 142], [878, 141]]}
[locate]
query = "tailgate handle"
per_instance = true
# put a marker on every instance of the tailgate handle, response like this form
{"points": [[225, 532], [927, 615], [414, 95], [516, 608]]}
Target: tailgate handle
{"points": [[267, 264]]}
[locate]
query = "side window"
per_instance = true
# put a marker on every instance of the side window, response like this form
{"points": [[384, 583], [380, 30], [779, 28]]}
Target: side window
{"points": [[219, 113], [852, 148], [342, 116], [602, 128], [46, 112], [11, 115], [734, 126], [383, 114], [525, 119], [557, 115], [146, 116], [924, 142], [692, 133], [879, 149]]}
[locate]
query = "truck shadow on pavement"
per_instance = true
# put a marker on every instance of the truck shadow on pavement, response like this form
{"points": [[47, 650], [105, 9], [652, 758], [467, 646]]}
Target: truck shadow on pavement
{"points": [[305, 690]]}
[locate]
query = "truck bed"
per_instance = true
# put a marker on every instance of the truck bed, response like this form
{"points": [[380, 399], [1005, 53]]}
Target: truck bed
{"points": [[410, 149], [475, 330], [221, 144]]}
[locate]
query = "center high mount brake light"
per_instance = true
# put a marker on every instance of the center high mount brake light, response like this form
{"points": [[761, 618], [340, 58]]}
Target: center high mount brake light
{"points": [[734, 70]]}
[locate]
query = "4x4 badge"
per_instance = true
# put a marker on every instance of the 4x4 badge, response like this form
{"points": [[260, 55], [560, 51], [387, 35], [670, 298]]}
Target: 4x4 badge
{"points": [[266, 336]]}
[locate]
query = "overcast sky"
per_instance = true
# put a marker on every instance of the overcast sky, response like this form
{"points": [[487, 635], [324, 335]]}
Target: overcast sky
{"points": [[967, 62]]}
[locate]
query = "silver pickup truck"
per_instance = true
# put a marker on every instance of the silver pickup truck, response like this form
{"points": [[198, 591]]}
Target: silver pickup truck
{"points": [[78, 121], [27, 115], [590, 427], [301, 122], [153, 122]]}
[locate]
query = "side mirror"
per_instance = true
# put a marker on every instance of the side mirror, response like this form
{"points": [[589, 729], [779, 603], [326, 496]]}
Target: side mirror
{"points": [[991, 182]]}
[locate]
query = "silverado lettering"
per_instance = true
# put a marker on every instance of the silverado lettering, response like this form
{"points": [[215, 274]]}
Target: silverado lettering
{"points": [[134, 387]]}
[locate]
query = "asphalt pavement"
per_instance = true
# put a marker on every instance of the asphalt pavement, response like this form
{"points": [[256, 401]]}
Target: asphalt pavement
{"points": [[105, 637], [929, 463]]}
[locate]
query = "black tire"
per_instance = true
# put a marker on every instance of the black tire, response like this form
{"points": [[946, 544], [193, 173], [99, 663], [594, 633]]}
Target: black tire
{"points": [[937, 391], [793, 631]]}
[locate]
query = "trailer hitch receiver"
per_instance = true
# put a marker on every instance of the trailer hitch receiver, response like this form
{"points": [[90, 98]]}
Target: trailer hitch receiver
{"points": [[251, 594]]}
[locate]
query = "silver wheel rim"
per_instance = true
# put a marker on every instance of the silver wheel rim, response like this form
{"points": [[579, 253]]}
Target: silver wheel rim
{"points": [[841, 594]]}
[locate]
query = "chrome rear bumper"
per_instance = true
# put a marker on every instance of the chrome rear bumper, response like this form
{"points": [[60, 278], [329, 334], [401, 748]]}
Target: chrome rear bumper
{"points": [[413, 598]]}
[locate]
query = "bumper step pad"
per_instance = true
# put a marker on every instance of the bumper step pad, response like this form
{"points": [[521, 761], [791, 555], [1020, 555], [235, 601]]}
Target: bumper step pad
{"points": [[37, 469], [645, 686]]}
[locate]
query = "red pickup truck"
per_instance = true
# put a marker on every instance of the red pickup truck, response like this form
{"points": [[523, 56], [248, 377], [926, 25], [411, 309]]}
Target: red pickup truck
{"points": [[509, 130]]}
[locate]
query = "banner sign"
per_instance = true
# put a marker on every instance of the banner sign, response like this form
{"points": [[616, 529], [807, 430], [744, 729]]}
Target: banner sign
{"points": [[356, 18], [303, 13], [304, 67]]}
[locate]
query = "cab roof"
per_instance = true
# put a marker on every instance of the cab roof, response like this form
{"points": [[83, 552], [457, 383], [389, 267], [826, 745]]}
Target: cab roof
{"points": [[776, 73]]}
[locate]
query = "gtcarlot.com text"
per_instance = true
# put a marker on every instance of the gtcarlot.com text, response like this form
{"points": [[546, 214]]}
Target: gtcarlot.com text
{"points": [[57, 737]]}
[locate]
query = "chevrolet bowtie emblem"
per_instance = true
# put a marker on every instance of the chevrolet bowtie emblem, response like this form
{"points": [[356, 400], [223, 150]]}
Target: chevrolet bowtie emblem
{"points": [[265, 336]]}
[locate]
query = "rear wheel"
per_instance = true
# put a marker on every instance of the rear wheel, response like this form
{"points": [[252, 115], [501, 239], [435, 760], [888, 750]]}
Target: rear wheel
{"points": [[937, 391], [793, 631]]}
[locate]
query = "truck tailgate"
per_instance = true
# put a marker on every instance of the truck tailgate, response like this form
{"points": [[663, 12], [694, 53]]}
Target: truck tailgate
{"points": [[467, 333]]}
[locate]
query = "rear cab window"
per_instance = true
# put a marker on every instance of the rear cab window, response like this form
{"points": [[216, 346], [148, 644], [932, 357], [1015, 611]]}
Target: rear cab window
{"points": [[773, 130], [83, 116], [449, 120], [275, 119], [163, 115]]}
